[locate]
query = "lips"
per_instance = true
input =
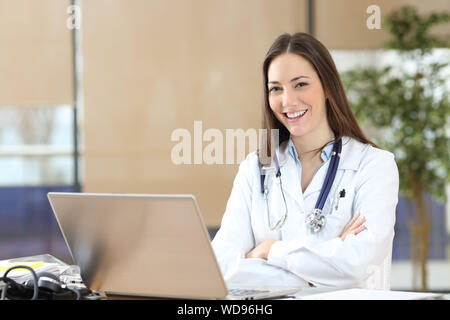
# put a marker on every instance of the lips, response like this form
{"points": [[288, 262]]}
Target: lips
{"points": [[295, 116]]}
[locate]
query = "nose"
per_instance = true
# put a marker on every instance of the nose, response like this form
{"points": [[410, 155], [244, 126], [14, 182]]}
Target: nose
{"points": [[289, 98]]}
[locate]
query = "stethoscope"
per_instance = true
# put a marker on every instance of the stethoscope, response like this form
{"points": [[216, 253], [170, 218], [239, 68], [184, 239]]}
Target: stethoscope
{"points": [[316, 220]]}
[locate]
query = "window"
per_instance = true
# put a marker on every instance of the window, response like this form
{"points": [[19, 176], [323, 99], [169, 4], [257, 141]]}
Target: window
{"points": [[36, 157]]}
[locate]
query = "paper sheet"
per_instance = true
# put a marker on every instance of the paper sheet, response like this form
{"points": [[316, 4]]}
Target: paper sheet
{"points": [[22, 275], [33, 264], [365, 294]]}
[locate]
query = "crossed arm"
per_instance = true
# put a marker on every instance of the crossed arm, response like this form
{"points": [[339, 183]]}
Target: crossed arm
{"points": [[355, 226]]}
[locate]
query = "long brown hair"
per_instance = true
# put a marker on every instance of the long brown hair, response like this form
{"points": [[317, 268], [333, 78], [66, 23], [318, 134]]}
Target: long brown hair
{"points": [[339, 114]]}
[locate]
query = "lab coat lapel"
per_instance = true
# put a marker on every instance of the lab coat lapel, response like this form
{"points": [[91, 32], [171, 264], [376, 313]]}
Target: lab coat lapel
{"points": [[318, 180], [289, 175], [352, 153], [294, 198], [296, 216], [350, 158]]}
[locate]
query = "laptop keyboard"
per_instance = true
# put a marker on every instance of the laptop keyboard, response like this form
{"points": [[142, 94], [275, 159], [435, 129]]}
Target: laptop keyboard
{"points": [[244, 292]]}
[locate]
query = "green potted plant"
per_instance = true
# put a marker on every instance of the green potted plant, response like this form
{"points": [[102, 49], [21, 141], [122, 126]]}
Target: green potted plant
{"points": [[408, 104]]}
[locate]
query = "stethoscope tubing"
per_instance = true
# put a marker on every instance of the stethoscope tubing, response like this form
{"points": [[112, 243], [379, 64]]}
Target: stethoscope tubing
{"points": [[331, 174]]}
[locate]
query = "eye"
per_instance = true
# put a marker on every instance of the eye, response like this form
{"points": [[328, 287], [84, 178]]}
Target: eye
{"points": [[274, 89], [301, 84]]}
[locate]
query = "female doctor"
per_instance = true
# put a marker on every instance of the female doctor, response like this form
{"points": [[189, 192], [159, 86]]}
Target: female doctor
{"points": [[321, 212]]}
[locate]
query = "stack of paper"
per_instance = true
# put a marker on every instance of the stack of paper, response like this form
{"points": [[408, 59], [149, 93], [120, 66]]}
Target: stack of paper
{"points": [[21, 275]]}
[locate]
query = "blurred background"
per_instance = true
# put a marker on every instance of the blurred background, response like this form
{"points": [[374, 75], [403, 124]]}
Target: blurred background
{"points": [[92, 90]]}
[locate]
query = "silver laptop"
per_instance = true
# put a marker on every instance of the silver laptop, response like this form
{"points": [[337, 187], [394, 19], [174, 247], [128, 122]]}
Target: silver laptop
{"points": [[145, 245]]}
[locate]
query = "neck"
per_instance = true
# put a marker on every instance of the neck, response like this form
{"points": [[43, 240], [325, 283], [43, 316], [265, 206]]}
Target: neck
{"points": [[306, 145]]}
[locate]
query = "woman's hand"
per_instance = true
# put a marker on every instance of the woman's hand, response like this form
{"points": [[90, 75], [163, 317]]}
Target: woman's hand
{"points": [[355, 226], [261, 251]]}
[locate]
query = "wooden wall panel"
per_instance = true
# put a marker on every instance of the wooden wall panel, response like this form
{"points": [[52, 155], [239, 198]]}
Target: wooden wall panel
{"points": [[36, 53], [151, 67]]}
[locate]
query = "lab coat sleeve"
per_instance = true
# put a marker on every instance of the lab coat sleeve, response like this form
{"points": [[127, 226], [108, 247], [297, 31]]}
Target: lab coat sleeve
{"points": [[235, 237], [337, 263]]}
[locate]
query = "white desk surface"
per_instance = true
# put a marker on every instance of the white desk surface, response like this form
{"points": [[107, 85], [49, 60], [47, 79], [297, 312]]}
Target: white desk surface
{"points": [[363, 294]]}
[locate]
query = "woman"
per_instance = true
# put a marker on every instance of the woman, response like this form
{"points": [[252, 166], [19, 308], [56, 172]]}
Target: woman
{"points": [[277, 239]]}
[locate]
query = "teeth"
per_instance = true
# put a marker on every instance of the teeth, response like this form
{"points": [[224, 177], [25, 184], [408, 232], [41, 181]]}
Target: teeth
{"points": [[292, 115]]}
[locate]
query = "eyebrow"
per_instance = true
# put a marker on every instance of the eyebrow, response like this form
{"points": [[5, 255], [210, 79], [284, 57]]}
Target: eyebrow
{"points": [[293, 79]]}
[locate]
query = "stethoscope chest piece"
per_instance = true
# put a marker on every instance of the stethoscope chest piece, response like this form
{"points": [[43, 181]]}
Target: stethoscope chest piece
{"points": [[316, 220]]}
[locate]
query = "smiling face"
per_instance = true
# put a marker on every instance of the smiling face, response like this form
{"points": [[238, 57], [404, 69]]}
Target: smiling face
{"points": [[296, 96]]}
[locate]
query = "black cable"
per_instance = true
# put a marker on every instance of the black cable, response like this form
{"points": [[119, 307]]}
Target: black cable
{"points": [[16, 291], [10, 282], [77, 293], [69, 291]]}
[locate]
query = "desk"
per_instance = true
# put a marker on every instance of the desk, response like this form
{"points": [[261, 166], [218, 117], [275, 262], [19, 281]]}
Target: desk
{"points": [[303, 294], [364, 294], [331, 294]]}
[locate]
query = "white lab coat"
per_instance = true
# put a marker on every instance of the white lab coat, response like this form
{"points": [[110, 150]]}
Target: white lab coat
{"points": [[300, 258]]}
